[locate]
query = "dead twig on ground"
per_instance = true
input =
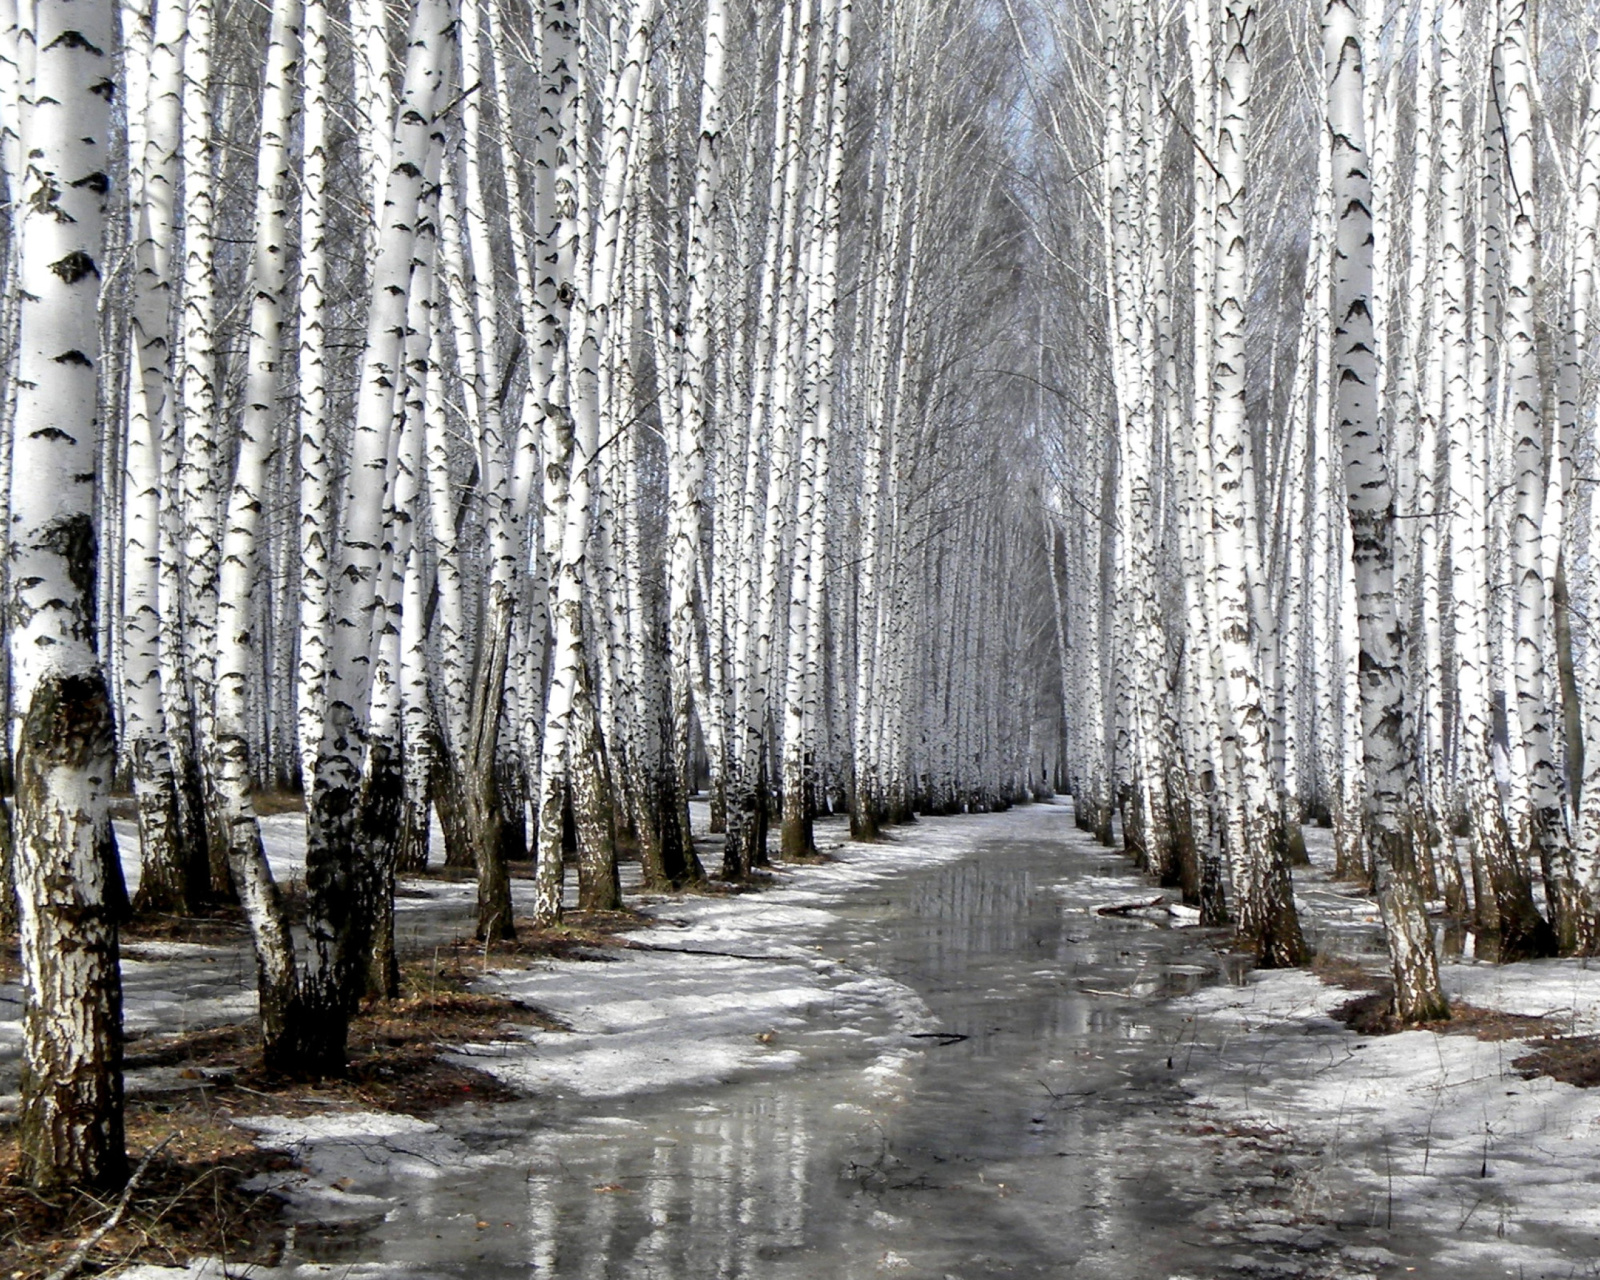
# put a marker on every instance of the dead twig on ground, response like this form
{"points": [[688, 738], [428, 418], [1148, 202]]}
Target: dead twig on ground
{"points": [[80, 1253]]}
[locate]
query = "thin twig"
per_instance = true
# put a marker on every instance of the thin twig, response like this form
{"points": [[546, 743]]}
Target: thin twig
{"points": [[79, 1255]]}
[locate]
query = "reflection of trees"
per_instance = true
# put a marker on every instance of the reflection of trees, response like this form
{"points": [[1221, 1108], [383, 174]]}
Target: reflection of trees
{"points": [[719, 1194]]}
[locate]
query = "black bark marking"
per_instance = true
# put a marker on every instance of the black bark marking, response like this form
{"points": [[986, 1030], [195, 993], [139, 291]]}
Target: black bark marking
{"points": [[44, 198], [72, 538], [75, 266], [75, 357], [76, 40]]}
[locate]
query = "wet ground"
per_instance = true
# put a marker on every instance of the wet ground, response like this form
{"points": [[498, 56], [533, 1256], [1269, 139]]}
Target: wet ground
{"points": [[978, 1076], [935, 1058]]}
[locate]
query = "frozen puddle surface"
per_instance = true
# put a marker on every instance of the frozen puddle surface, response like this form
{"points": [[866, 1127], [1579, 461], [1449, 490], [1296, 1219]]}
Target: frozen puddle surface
{"points": [[932, 1058]]}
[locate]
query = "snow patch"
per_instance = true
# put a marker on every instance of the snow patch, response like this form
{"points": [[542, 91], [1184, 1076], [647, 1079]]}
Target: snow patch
{"points": [[1440, 1126], [289, 1132]]}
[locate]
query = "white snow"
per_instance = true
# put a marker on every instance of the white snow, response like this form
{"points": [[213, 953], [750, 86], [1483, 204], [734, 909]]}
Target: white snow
{"points": [[1417, 1128], [719, 988], [1426, 1128]]}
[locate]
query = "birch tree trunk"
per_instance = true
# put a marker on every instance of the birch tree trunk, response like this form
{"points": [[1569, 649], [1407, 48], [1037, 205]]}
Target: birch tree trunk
{"points": [[1580, 325], [571, 747], [487, 815], [70, 1131], [1266, 919], [340, 889], [1540, 821], [1509, 905], [1391, 788], [174, 874], [230, 767], [687, 461], [313, 455], [816, 314]]}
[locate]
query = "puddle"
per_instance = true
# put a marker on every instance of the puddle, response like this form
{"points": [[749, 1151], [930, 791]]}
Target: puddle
{"points": [[1014, 1111], [933, 1058]]}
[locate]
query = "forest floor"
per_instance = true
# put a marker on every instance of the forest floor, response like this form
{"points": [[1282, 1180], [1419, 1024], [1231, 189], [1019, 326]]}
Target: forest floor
{"points": [[873, 1067]]}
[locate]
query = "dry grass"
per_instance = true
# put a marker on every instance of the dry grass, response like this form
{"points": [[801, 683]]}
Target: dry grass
{"points": [[1571, 1059], [814, 859], [393, 1063], [268, 803], [581, 935], [1344, 971], [220, 927], [190, 1200], [125, 806], [1373, 1015]]}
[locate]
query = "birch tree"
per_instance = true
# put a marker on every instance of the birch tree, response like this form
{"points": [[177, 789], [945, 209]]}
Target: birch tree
{"points": [[1264, 901], [70, 1126], [1391, 785]]}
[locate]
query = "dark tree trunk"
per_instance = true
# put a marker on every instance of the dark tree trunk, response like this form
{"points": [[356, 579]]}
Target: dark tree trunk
{"points": [[377, 848], [8, 874], [1101, 814], [766, 800], [1277, 940], [510, 794], [1524, 934], [1295, 839], [743, 827], [194, 829], [485, 817], [796, 839], [719, 803], [1134, 844], [1213, 894], [164, 868], [666, 862], [593, 806], [864, 814], [312, 1032], [1183, 867]]}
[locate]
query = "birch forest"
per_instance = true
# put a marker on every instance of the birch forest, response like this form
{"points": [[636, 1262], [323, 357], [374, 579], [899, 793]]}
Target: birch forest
{"points": [[491, 432]]}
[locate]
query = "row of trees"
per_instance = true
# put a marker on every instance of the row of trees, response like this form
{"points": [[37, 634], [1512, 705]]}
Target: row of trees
{"points": [[503, 409], [1343, 566], [521, 411]]}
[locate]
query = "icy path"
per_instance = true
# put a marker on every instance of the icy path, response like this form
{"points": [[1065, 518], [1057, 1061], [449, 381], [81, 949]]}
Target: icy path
{"points": [[931, 1058]]}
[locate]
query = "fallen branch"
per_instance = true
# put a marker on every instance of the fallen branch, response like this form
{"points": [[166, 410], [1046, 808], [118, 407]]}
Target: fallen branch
{"points": [[80, 1253], [703, 951], [1128, 908]]}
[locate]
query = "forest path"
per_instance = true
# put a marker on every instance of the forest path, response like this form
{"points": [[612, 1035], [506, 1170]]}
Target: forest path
{"points": [[931, 1057]]}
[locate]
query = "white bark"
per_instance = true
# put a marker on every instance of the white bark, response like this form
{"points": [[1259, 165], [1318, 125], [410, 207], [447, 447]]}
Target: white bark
{"points": [[1539, 816], [1266, 916], [237, 661], [336, 910], [1386, 742], [70, 1123], [567, 752], [315, 460]]}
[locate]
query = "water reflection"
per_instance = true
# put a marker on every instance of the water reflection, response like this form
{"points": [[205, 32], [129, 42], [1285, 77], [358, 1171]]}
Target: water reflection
{"points": [[1036, 1140], [710, 1190]]}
